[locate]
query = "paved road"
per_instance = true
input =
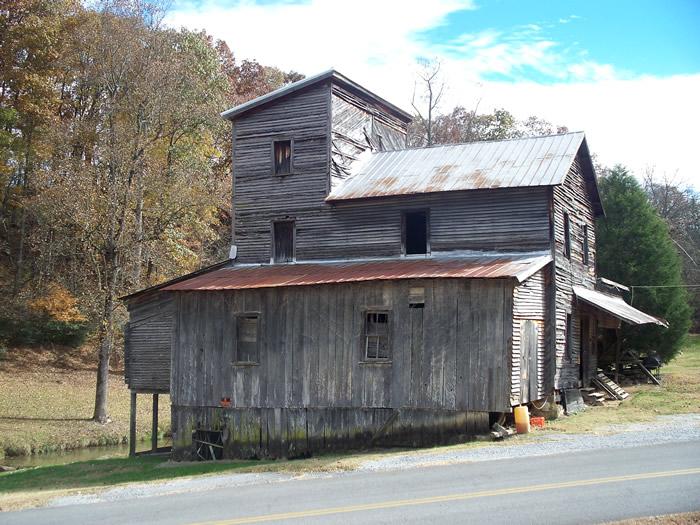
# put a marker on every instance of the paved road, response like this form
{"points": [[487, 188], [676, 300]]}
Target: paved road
{"points": [[582, 487]]}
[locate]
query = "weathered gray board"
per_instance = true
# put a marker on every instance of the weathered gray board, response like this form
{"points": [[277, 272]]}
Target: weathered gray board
{"points": [[456, 358], [147, 343], [572, 197]]}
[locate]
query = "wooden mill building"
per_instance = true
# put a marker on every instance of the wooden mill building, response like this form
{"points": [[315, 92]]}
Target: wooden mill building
{"points": [[376, 294]]}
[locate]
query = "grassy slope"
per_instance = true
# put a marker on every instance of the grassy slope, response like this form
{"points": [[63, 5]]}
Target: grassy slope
{"points": [[46, 401], [679, 394]]}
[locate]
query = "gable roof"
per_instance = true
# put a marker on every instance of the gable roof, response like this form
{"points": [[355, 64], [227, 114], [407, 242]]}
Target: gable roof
{"points": [[331, 74], [532, 161]]}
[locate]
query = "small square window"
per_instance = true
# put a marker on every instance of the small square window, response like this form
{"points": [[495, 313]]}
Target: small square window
{"points": [[247, 338], [376, 336], [282, 157]]}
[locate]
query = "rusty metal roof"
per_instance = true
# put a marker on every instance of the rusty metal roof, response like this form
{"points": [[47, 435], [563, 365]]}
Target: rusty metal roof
{"points": [[494, 266], [533, 161], [336, 77], [616, 306]]}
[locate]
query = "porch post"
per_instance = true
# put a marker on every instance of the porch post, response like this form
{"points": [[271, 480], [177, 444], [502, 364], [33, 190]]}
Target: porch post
{"points": [[132, 425], [154, 425], [617, 355]]}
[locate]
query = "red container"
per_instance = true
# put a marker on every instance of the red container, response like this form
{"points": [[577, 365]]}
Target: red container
{"points": [[537, 422]]}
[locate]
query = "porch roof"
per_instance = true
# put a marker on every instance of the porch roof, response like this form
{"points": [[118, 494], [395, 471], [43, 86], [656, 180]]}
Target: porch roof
{"points": [[491, 266], [616, 306]]}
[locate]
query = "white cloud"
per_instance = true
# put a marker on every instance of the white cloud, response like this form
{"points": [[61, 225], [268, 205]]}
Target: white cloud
{"points": [[638, 121]]}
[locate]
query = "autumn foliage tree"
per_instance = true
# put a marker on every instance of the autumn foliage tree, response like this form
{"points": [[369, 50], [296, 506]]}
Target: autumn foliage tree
{"points": [[115, 163]]}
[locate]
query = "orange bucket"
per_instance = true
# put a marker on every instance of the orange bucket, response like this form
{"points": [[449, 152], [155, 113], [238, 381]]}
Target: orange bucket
{"points": [[537, 422]]}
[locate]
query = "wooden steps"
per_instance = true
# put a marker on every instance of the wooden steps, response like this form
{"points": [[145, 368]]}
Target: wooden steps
{"points": [[592, 397], [609, 386]]}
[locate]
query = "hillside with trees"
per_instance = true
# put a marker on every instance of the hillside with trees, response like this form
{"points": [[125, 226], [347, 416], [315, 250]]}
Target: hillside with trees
{"points": [[115, 167]]}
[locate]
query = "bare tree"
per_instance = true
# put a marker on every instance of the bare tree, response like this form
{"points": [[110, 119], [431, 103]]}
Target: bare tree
{"points": [[428, 89]]}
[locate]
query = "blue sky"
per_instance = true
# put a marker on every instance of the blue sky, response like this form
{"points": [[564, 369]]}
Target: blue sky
{"points": [[625, 72], [635, 37]]}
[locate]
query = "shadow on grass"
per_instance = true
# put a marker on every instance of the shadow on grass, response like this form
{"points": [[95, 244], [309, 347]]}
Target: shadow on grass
{"points": [[105, 472]]}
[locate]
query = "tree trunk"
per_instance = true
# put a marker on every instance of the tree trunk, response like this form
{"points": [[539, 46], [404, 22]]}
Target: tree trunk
{"points": [[106, 341], [138, 250]]}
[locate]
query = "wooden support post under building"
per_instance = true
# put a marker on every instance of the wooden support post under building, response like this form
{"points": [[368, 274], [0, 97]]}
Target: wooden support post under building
{"points": [[132, 426], [154, 425], [617, 355]]}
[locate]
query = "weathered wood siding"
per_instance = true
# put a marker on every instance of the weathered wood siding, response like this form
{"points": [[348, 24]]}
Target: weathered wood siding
{"points": [[147, 343], [448, 359], [529, 304], [456, 356], [501, 219], [506, 219], [299, 432], [573, 198], [259, 196], [358, 125]]}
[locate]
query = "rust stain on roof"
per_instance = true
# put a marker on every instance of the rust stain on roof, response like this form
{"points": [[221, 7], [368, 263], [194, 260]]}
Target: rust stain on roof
{"points": [[305, 274], [532, 161]]}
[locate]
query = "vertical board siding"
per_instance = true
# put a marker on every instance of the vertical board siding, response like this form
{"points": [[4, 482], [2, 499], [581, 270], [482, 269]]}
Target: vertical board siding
{"points": [[573, 198], [455, 356], [529, 303], [147, 343]]}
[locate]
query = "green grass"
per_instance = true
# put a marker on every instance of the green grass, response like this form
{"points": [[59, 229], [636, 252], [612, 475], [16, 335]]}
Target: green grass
{"points": [[46, 402], [106, 472], [679, 393]]}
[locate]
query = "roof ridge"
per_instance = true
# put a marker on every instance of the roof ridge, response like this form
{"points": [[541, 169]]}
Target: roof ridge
{"points": [[450, 144]]}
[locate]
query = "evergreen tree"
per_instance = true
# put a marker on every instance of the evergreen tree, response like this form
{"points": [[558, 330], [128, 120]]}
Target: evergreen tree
{"points": [[635, 248]]}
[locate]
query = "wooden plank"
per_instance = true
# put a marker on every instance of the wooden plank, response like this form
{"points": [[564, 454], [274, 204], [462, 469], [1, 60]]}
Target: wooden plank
{"points": [[132, 425]]}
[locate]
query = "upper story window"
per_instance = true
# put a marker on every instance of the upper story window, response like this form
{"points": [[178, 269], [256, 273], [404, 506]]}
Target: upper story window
{"points": [[376, 336], [282, 157], [415, 239], [247, 338], [283, 233], [585, 244], [567, 236]]}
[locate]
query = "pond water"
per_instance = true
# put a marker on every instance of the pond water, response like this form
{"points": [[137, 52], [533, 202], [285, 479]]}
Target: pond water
{"points": [[81, 454]]}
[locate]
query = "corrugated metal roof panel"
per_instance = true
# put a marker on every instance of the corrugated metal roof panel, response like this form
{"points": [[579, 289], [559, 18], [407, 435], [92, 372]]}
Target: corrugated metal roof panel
{"points": [[616, 307], [534, 161], [275, 275]]}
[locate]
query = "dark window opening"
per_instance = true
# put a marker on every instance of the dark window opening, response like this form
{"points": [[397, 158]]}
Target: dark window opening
{"points": [[283, 241], [567, 236], [569, 337], [376, 336], [247, 338], [415, 233], [282, 157], [585, 244]]}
